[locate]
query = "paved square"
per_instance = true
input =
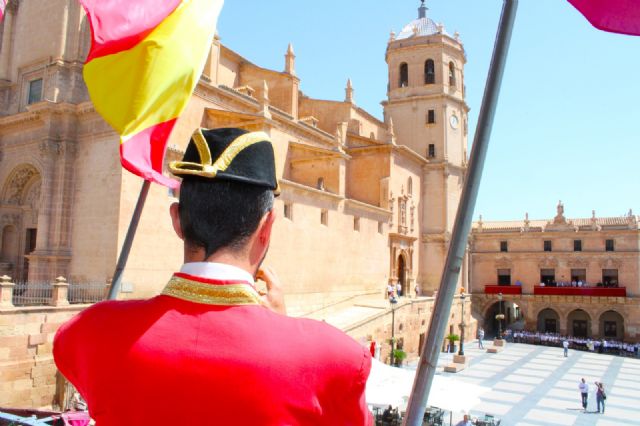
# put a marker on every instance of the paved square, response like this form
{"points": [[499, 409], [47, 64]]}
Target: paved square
{"points": [[538, 386]]}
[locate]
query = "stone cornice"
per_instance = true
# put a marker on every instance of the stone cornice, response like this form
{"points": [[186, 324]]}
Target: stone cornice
{"points": [[325, 152], [394, 236], [359, 205], [435, 96], [294, 186], [443, 165]]}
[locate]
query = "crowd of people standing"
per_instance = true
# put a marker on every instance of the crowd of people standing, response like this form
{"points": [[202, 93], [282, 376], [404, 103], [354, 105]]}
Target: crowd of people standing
{"points": [[613, 347]]}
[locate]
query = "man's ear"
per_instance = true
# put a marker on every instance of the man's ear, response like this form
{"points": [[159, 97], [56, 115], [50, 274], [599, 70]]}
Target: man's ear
{"points": [[174, 211], [266, 225]]}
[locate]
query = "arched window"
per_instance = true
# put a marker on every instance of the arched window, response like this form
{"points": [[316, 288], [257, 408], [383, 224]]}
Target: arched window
{"points": [[404, 74], [452, 74], [429, 72]]}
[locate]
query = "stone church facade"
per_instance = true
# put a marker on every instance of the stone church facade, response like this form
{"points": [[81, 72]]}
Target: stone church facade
{"points": [[364, 202]]}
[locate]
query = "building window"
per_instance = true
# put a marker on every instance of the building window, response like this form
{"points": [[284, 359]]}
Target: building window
{"points": [[432, 151], [578, 276], [547, 245], [324, 217], [431, 116], [35, 91], [380, 228], [320, 184], [548, 277], [452, 74], [504, 246], [288, 211], [504, 276], [404, 75], [608, 245], [610, 277], [410, 186], [577, 245], [429, 72], [356, 223]]}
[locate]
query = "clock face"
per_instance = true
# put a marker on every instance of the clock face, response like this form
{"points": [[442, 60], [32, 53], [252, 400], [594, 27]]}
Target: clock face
{"points": [[453, 121]]}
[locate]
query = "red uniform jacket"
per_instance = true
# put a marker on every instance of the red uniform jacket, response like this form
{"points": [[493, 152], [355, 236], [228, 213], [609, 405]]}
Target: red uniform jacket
{"points": [[206, 352]]}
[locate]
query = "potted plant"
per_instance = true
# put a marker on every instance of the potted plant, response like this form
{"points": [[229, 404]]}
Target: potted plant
{"points": [[452, 338], [399, 355]]}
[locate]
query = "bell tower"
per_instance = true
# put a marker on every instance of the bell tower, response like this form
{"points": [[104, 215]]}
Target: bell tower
{"points": [[426, 102]]}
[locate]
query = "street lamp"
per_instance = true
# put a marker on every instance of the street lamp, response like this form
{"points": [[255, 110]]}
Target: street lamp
{"points": [[392, 302], [500, 316], [462, 297]]}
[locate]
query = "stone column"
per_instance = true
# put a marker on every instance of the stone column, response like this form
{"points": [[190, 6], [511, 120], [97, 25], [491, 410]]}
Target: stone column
{"points": [[60, 294], [6, 292]]}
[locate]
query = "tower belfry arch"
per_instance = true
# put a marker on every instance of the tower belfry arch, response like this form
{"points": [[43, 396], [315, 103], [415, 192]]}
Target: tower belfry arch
{"points": [[426, 103]]}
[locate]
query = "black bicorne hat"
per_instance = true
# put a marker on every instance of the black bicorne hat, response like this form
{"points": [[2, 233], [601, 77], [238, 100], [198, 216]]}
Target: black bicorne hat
{"points": [[229, 154]]}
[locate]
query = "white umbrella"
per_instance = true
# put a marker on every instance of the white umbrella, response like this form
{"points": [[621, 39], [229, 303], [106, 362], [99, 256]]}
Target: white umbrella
{"points": [[392, 386]]}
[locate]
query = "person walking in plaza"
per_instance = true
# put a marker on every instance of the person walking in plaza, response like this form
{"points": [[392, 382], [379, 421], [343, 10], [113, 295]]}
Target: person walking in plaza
{"points": [[212, 345], [600, 396], [584, 393], [399, 289], [480, 338], [565, 347], [466, 421]]}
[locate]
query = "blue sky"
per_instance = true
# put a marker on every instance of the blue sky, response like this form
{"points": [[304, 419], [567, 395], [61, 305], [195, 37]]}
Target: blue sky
{"points": [[567, 123]]}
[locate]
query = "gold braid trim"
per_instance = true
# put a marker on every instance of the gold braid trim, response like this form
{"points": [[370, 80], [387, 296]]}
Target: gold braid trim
{"points": [[206, 168], [211, 294]]}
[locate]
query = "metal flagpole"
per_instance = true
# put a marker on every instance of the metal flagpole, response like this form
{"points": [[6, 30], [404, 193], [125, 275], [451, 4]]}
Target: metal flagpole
{"points": [[128, 241], [462, 224]]}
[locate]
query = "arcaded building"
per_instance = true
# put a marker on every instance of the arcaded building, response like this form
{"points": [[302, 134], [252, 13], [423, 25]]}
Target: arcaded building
{"points": [[578, 277]]}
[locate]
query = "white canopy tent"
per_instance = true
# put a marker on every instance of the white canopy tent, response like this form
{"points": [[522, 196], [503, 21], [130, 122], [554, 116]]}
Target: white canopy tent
{"points": [[392, 386]]}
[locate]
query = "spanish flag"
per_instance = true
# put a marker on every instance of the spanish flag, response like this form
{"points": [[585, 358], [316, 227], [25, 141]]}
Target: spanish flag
{"points": [[145, 60]]}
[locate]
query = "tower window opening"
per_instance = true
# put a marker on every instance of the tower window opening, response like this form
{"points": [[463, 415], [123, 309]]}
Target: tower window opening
{"points": [[431, 116], [431, 153], [404, 74], [452, 74], [429, 72]]}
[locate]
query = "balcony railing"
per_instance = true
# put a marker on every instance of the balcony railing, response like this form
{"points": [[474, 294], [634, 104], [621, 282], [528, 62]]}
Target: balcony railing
{"points": [[558, 291], [580, 291], [504, 289]]}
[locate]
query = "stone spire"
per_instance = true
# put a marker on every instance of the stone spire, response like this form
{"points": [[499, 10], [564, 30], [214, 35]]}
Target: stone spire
{"points": [[290, 61], [422, 10], [348, 97]]}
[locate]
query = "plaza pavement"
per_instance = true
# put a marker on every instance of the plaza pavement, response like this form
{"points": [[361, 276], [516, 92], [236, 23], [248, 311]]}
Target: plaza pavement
{"points": [[537, 386]]}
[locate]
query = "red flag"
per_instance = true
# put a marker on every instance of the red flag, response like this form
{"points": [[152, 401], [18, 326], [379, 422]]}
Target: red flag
{"points": [[616, 16]]}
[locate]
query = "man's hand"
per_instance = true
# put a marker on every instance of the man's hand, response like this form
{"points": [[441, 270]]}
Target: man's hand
{"points": [[274, 297]]}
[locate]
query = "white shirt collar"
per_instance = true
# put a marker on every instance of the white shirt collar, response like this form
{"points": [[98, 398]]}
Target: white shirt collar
{"points": [[216, 271]]}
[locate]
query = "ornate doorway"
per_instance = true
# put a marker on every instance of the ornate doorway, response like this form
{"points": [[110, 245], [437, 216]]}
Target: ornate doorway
{"points": [[19, 205]]}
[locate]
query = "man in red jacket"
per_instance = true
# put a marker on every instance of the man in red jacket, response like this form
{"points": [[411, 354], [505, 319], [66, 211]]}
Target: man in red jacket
{"points": [[210, 349]]}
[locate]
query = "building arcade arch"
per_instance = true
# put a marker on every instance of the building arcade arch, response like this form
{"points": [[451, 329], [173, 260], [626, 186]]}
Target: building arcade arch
{"points": [[548, 321]]}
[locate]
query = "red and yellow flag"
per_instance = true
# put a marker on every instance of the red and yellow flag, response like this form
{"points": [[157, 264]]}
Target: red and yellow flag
{"points": [[145, 60]]}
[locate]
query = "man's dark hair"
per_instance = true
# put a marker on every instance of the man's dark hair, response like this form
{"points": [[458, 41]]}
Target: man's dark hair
{"points": [[217, 214]]}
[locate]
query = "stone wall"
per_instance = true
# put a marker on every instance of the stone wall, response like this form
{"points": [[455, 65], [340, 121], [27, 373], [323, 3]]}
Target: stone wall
{"points": [[28, 374], [411, 322]]}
